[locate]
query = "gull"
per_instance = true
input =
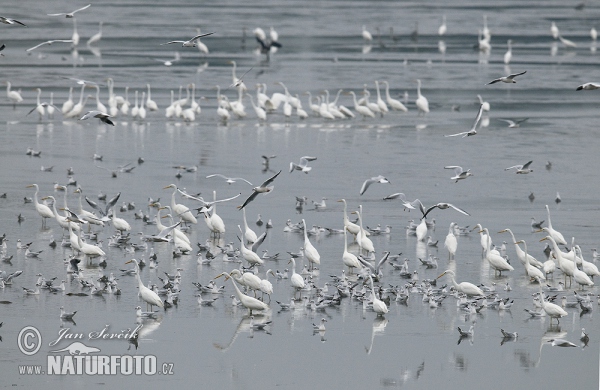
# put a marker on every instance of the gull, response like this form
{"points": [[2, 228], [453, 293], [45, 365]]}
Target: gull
{"points": [[507, 79], [473, 130], [162, 235], [303, 166], [240, 80], [263, 188], [66, 316], [50, 42], [459, 173], [104, 117], [514, 124], [523, 169], [71, 14], [561, 343], [229, 180], [6, 20], [588, 86], [191, 42], [442, 206], [377, 179]]}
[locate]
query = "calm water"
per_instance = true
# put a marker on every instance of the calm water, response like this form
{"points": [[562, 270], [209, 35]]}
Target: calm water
{"points": [[212, 346]]}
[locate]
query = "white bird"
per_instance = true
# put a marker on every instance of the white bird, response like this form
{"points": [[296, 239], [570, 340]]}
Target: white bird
{"points": [[366, 34], [513, 124], [507, 79], [310, 252], [251, 257], [442, 29], [350, 260], [263, 188], [379, 306], [363, 241], [349, 226], [394, 103], [485, 105], [521, 169], [554, 30], [229, 180], [588, 86], [147, 295], [303, 165], [566, 42], [561, 343], [71, 14], [376, 179], [459, 173], [497, 262], [362, 110], [451, 243], [421, 102], [66, 316], [521, 255], [532, 272], [13, 96], [68, 105], [6, 20], [249, 234], [441, 206], [119, 223], [103, 116], [96, 37], [248, 302], [202, 48], [463, 287], [580, 277], [43, 210], [181, 210], [296, 280], [555, 234], [191, 42], [473, 130]]}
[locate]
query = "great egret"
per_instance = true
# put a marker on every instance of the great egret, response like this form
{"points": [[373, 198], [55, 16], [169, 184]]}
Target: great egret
{"points": [[246, 301], [451, 243], [555, 234], [249, 234], [520, 254], [180, 210], [310, 252], [379, 306], [363, 241], [43, 210], [565, 265], [296, 279], [497, 262], [463, 287], [250, 256], [532, 272], [349, 226], [349, 259], [150, 297], [421, 102]]}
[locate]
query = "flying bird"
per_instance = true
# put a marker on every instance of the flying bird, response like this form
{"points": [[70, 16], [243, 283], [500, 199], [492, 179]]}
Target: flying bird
{"points": [[513, 124], [303, 166], [507, 79], [473, 130], [443, 206], [71, 14], [191, 42], [588, 86], [459, 173], [6, 20], [368, 182], [229, 180], [104, 117], [523, 169], [50, 42], [263, 188]]}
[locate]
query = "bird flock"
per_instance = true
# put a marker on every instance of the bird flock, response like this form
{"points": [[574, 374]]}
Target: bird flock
{"points": [[374, 279]]}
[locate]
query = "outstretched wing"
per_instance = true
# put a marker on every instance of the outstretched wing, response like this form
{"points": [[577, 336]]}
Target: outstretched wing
{"points": [[512, 76], [249, 199], [458, 209], [478, 117], [270, 180], [457, 134], [526, 166]]}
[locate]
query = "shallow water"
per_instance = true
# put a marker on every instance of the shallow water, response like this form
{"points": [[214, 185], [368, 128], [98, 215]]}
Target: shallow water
{"points": [[212, 346]]}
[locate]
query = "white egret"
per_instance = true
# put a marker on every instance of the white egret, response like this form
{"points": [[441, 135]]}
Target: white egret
{"points": [[394, 103], [362, 110], [119, 223], [68, 105], [296, 279], [565, 265], [463, 287], [421, 102], [150, 297], [497, 262], [180, 210], [96, 37], [379, 306], [555, 234], [13, 96], [366, 34], [249, 234], [451, 243], [249, 255], [532, 272], [442, 29], [349, 226], [520, 254], [349, 259], [43, 210], [310, 252], [363, 241], [246, 301], [586, 266], [484, 105]]}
